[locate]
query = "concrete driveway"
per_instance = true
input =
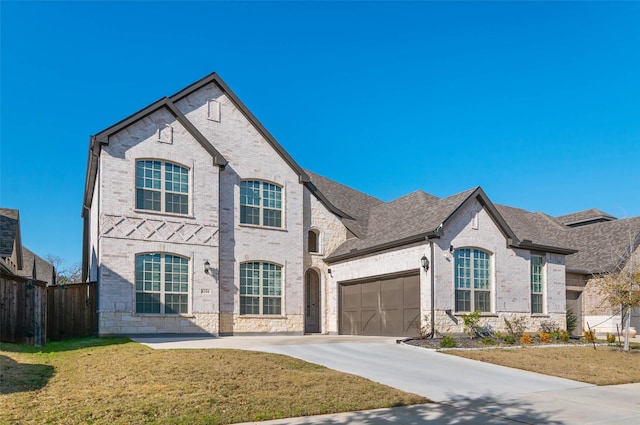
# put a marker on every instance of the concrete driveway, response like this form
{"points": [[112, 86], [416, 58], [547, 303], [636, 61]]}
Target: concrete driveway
{"points": [[467, 391]]}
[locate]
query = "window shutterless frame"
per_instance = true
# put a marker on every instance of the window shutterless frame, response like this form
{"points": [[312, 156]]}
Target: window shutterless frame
{"points": [[537, 284], [162, 186], [161, 283], [473, 289], [261, 203], [260, 288]]}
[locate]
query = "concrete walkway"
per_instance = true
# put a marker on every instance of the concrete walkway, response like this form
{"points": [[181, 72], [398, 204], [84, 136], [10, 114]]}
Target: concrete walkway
{"points": [[466, 391]]}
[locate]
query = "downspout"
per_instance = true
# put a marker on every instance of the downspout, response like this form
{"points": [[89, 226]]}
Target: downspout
{"points": [[433, 294]]}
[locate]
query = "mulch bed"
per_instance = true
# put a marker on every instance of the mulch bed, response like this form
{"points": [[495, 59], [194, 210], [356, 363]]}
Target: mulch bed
{"points": [[465, 342]]}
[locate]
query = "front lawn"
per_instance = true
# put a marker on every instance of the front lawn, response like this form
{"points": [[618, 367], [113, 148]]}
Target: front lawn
{"points": [[605, 365], [116, 381]]}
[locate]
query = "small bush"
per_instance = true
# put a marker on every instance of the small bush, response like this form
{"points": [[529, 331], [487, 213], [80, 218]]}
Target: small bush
{"points": [[471, 323], [515, 326], [549, 326], [447, 342], [526, 339], [611, 338], [498, 335], [488, 341], [590, 335], [555, 335], [545, 337], [564, 336], [510, 339], [572, 320]]}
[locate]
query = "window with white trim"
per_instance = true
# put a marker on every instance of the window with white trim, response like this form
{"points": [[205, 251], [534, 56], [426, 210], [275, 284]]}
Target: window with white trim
{"points": [[260, 203], [472, 280], [162, 284], [537, 284], [260, 288], [162, 186]]}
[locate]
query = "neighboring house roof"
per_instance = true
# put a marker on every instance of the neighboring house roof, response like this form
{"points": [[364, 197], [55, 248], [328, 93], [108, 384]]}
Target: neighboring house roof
{"points": [[585, 217], [37, 268], [603, 247], [10, 237]]}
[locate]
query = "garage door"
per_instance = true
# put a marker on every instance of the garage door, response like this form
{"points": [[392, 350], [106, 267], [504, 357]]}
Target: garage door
{"points": [[384, 306]]}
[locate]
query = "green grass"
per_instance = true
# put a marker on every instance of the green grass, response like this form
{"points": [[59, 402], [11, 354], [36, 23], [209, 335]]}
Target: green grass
{"points": [[116, 381]]}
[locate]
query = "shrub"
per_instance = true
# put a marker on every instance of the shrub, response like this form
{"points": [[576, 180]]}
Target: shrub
{"points": [[611, 338], [549, 326], [471, 321], [447, 342], [564, 336], [572, 321], [525, 339], [556, 335], [510, 339], [488, 341], [498, 335], [590, 335], [545, 337], [515, 326]]}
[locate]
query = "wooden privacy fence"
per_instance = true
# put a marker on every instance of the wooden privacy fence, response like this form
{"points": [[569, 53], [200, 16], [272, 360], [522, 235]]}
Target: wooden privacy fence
{"points": [[71, 311], [33, 313], [23, 310]]}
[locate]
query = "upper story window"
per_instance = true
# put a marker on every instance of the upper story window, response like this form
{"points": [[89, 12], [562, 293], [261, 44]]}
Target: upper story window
{"points": [[472, 280], [162, 186], [260, 288], [162, 283], [313, 241], [260, 203], [537, 284]]}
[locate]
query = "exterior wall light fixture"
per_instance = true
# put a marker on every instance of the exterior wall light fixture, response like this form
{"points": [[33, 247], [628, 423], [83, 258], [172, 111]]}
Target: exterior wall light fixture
{"points": [[425, 262], [207, 267]]}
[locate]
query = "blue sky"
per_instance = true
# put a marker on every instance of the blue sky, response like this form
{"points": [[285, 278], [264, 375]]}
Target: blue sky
{"points": [[537, 102]]}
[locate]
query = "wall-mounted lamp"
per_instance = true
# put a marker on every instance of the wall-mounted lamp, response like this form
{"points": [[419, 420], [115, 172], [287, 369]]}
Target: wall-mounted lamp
{"points": [[207, 267], [425, 262], [451, 249], [329, 271]]}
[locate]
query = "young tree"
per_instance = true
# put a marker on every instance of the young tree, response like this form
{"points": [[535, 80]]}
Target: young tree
{"points": [[621, 288]]}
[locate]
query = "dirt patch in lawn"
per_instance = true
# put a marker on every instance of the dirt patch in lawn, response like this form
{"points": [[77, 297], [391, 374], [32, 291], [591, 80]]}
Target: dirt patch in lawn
{"points": [[128, 383]]}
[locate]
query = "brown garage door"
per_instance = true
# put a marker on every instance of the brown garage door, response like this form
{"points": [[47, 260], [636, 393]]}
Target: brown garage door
{"points": [[384, 306]]}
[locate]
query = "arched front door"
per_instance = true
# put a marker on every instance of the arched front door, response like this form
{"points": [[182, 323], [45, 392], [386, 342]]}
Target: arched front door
{"points": [[311, 302]]}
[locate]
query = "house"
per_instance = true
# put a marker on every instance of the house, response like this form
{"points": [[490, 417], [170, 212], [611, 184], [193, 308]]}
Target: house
{"points": [[16, 259], [197, 220], [605, 245]]}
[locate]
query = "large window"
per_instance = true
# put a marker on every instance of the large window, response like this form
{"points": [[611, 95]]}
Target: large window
{"points": [[260, 203], [260, 288], [537, 284], [472, 280], [162, 186], [162, 284]]}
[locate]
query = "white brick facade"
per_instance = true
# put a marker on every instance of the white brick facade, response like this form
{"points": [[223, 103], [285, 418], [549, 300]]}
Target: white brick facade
{"points": [[204, 125]]}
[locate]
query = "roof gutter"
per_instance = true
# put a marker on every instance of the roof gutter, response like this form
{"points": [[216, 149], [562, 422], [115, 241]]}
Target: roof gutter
{"points": [[382, 247], [527, 244]]}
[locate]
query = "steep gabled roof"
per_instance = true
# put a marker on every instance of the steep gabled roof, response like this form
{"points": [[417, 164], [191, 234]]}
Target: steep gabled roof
{"points": [[603, 247], [536, 230], [102, 138], [352, 206], [585, 217], [37, 268], [10, 235]]}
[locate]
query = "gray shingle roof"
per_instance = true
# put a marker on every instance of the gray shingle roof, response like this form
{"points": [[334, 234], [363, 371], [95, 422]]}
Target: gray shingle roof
{"points": [[584, 217], [354, 203], [43, 270], [9, 231], [602, 246], [416, 215]]}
